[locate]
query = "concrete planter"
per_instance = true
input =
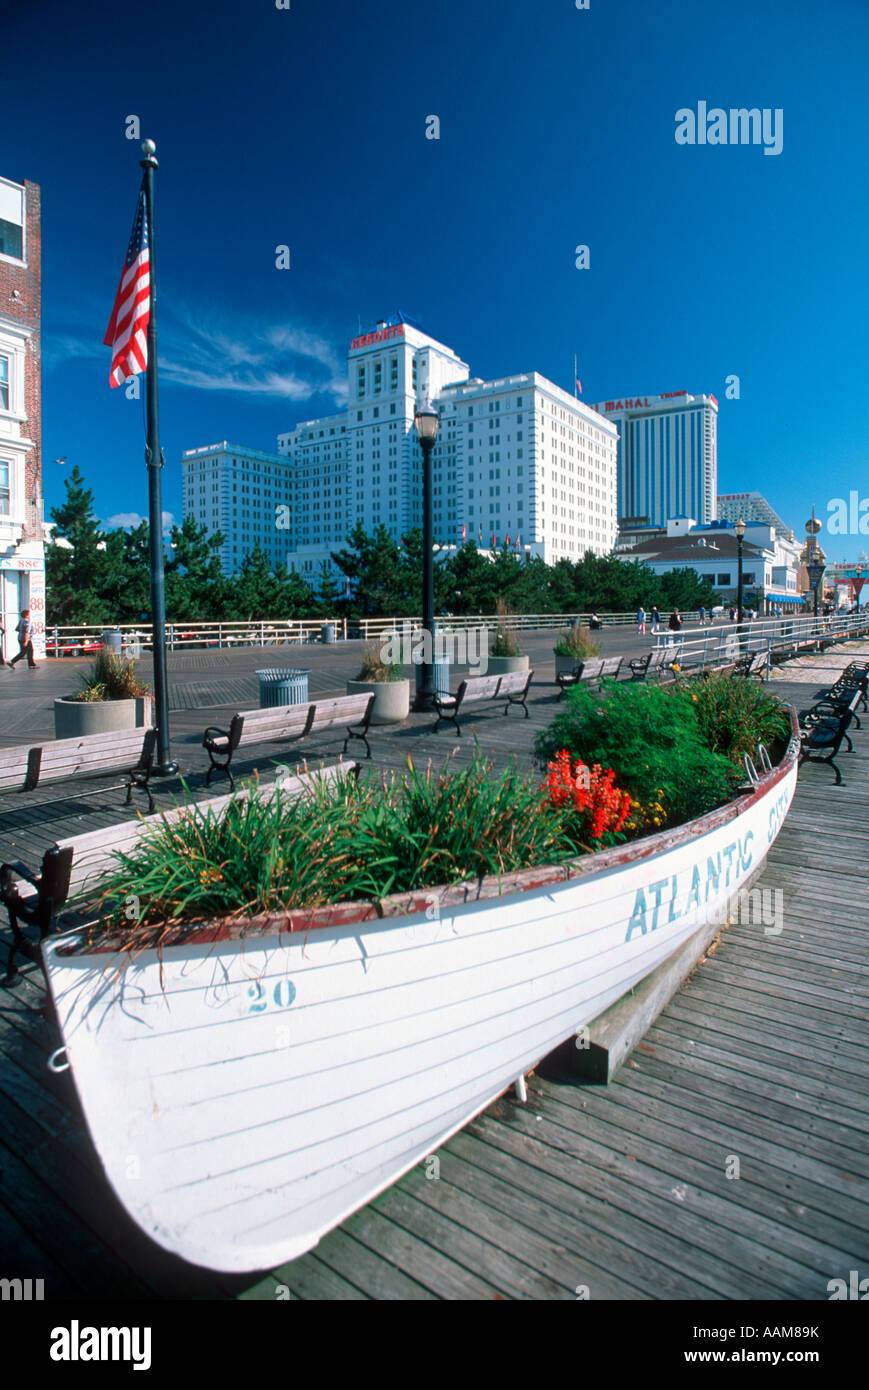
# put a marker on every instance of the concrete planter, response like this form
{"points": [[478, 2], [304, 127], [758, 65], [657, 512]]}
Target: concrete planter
{"points": [[503, 665], [80, 718], [564, 665], [391, 699]]}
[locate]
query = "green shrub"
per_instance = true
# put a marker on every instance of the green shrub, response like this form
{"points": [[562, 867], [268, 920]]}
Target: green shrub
{"points": [[650, 736], [374, 668], [735, 715], [505, 643], [578, 642], [112, 677]]}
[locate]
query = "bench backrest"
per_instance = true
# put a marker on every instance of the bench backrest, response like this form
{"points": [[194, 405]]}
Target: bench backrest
{"points": [[512, 681], [347, 709], [591, 669], [289, 721], [480, 687], [94, 853], [24, 767], [610, 666]]}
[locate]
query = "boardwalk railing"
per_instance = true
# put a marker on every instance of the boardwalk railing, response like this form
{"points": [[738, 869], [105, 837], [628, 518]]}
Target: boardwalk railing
{"points": [[710, 641], [718, 643], [83, 639]]}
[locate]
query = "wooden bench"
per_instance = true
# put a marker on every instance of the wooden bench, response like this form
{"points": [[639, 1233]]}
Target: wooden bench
{"points": [[73, 869], [656, 661], [822, 737], [24, 768], [512, 688], [593, 669], [750, 665], [283, 722], [846, 685]]}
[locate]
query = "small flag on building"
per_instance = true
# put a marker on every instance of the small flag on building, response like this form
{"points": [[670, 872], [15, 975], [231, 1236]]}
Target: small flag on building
{"points": [[576, 374], [517, 540], [480, 536], [507, 541], [464, 532], [126, 334], [493, 540]]}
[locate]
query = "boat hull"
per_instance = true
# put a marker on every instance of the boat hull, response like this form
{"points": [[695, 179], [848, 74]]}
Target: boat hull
{"points": [[247, 1093]]}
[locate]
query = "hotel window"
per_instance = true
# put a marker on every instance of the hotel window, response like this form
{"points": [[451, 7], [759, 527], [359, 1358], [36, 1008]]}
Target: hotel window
{"points": [[724, 579], [4, 383], [4, 489]]}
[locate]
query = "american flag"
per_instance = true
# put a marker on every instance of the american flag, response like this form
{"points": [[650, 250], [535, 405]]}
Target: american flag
{"points": [[126, 333]]}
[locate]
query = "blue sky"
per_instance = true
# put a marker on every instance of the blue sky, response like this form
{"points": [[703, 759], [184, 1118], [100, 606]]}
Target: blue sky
{"points": [[307, 127]]}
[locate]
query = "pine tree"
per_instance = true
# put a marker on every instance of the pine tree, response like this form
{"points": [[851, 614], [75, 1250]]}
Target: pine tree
{"points": [[76, 577], [196, 589]]}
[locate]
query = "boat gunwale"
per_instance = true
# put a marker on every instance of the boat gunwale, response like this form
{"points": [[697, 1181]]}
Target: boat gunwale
{"points": [[394, 908]]}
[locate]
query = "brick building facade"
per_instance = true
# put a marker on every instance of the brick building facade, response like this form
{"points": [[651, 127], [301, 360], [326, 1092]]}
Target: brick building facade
{"points": [[22, 558]]}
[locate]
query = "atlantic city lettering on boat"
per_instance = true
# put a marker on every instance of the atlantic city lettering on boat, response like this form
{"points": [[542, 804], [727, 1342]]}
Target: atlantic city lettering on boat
{"points": [[677, 895]]}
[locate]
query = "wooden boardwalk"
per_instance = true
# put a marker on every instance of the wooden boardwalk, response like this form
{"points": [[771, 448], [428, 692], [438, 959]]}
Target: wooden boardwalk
{"points": [[758, 1067]]}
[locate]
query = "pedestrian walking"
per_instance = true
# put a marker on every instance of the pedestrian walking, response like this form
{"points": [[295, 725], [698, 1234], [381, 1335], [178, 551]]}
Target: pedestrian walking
{"points": [[702, 612], [675, 623], [25, 640], [641, 621], [732, 614], [656, 619]]}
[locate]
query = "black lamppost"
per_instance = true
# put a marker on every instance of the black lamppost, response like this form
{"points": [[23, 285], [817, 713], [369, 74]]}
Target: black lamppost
{"points": [[427, 421], [739, 532]]}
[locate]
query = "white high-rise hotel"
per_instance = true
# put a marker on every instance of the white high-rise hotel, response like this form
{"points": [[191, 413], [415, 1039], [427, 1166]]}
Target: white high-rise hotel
{"points": [[668, 456], [515, 457]]}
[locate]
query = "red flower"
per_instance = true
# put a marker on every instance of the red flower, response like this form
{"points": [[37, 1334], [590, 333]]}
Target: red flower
{"points": [[601, 807]]}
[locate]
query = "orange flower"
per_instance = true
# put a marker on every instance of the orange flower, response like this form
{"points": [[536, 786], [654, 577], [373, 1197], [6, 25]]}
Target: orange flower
{"points": [[591, 792]]}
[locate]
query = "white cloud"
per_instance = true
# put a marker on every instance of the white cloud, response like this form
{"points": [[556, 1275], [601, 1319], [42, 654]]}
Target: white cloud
{"points": [[207, 350], [128, 520]]}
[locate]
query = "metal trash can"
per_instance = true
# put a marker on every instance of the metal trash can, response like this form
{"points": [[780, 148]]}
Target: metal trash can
{"points": [[283, 688], [327, 632], [112, 640], [440, 677]]}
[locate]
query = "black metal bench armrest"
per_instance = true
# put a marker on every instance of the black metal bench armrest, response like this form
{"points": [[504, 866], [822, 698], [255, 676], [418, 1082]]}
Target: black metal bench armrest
{"points": [[17, 870], [213, 729]]}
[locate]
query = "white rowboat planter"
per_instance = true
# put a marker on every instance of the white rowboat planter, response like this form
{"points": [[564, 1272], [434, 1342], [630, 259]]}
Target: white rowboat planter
{"points": [[250, 1088]]}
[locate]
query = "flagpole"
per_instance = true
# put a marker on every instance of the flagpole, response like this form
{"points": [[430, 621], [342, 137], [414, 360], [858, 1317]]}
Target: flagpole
{"points": [[164, 767], [576, 376]]}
